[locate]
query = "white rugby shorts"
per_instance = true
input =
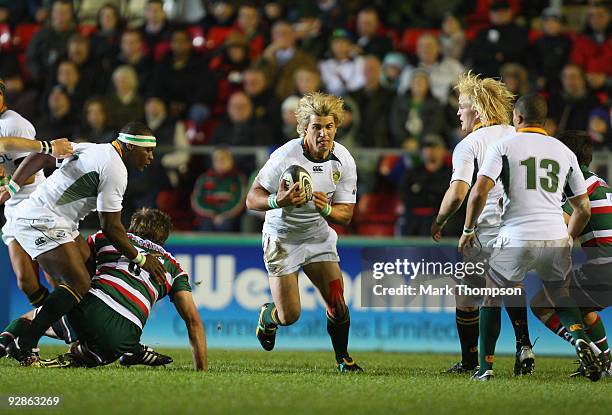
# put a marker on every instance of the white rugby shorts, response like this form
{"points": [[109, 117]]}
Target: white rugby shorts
{"points": [[43, 233], [283, 258]]}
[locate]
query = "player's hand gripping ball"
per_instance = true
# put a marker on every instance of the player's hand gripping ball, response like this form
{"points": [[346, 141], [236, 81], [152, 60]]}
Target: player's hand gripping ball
{"points": [[298, 174]]}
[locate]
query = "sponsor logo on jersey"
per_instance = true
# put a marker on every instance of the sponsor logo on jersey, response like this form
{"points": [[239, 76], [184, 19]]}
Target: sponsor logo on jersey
{"points": [[317, 169]]}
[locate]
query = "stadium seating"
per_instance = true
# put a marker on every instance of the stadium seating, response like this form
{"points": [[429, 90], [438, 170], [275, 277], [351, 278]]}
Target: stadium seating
{"points": [[23, 35], [377, 214]]}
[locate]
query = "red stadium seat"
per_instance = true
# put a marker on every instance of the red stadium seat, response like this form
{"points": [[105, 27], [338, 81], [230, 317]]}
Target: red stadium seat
{"points": [[534, 35], [377, 213], [160, 50], [23, 35]]}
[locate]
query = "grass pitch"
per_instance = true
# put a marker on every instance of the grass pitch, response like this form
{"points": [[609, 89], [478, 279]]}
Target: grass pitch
{"points": [[280, 382]]}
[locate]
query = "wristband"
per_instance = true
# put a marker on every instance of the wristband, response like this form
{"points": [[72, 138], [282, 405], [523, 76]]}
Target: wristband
{"points": [[46, 147], [468, 231], [139, 260], [272, 201], [327, 210], [12, 187]]}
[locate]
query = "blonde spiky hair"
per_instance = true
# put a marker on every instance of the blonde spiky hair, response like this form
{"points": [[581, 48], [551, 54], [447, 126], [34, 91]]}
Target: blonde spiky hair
{"points": [[321, 105], [489, 97]]}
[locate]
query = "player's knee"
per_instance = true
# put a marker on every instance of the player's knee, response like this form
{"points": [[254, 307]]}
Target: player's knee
{"points": [[81, 286], [288, 316], [590, 318], [27, 282]]}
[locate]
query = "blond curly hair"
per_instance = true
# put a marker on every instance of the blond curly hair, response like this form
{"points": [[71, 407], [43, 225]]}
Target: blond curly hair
{"points": [[320, 105], [489, 97]]}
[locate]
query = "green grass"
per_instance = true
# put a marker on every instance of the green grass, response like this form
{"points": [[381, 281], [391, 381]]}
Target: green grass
{"points": [[257, 382]]}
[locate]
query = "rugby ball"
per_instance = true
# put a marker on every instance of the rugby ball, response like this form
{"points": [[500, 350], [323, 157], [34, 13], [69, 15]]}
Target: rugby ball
{"points": [[298, 174]]}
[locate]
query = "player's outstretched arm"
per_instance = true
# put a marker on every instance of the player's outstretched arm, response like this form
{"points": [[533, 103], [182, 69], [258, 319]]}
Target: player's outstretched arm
{"points": [[60, 148], [183, 301], [453, 198], [581, 215], [111, 225]]}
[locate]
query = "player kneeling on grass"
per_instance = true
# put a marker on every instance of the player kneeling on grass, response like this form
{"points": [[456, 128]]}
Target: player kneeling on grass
{"points": [[591, 283], [108, 322], [296, 233]]}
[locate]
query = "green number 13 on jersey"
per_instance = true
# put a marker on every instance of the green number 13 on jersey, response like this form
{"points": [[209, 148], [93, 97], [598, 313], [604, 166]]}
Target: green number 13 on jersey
{"points": [[549, 180]]}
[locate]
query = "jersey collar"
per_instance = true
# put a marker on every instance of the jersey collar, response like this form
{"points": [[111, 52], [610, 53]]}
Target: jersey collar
{"points": [[480, 125], [118, 148], [537, 130], [330, 156]]}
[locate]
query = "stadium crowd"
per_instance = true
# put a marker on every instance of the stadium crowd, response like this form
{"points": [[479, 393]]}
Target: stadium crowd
{"points": [[233, 79]]}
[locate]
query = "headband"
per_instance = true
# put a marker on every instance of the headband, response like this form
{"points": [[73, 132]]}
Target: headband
{"points": [[138, 140]]}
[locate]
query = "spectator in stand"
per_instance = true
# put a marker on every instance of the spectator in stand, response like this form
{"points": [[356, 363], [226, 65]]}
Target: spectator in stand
{"points": [[69, 78], [571, 107], [503, 42], [595, 41], [307, 80], [393, 65], [550, 52], [220, 13], [95, 127], [422, 187], [94, 78], [311, 33], [229, 67], [248, 23], [265, 104], [416, 114], [443, 71], [515, 77], [452, 38], [374, 103], [219, 194], [600, 128], [57, 120], [124, 104], [18, 98], [348, 130], [598, 73], [273, 11], [184, 81], [50, 43], [133, 53], [282, 58], [241, 127], [342, 73], [156, 29], [106, 39], [168, 133], [288, 109], [369, 41]]}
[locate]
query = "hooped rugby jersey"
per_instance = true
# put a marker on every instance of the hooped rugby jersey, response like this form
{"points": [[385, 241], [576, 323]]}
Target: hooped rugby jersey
{"points": [[128, 289], [468, 157], [336, 177], [14, 125], [535, 171], [596, 236], [94, 178]]}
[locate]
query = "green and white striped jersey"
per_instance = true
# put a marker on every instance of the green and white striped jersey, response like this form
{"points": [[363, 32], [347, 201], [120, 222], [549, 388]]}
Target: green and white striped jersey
{"points": [[125, 287]]}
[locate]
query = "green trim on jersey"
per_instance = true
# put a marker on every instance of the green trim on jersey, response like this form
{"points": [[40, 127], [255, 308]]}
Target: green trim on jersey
{"points": [[82, 188]]}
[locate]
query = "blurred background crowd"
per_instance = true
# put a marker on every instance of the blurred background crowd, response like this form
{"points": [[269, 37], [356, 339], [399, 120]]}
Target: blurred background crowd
{"points": [[219, 82]]}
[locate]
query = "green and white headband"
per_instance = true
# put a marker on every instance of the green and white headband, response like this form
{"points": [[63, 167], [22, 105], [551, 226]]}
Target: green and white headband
{"points": [[138, 140]]}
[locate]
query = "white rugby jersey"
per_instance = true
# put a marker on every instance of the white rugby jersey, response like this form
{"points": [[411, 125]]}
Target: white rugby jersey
{"points": [[337, 177], [14, 125], [94, 178], [468, 157], [535, 171]]}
